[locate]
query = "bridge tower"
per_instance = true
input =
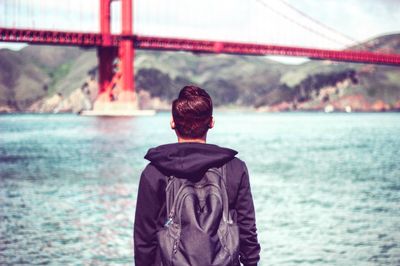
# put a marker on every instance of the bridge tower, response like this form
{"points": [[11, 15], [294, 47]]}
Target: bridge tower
{"points": [[115, 66]]}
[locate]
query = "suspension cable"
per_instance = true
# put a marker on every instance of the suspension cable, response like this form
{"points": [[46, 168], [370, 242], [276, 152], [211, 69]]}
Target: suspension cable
{"points": [[274, 10], [345, 36]]}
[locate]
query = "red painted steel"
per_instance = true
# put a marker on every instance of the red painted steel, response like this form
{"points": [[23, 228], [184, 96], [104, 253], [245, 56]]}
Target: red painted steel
{"points": [[106, 57], [115, 81], [51, 37], [106, 54], [205, 46], [126, 53], [105, 22], [200, 46]]}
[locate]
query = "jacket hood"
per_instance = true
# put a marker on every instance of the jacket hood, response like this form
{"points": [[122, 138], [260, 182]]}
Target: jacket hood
{"points": [[188, 160]]}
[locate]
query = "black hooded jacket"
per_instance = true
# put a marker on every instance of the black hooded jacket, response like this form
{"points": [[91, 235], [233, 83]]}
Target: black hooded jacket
{"points": [[191, 161]]}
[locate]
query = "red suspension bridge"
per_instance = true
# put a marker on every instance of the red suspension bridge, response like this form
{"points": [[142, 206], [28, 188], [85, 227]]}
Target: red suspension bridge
{"points": [[120, 48]]}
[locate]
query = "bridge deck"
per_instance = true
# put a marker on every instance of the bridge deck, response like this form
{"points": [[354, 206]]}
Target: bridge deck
{"points": [[200, 46]]}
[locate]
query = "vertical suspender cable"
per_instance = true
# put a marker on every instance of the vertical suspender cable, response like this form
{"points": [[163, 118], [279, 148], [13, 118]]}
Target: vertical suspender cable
{"points": [[42, 16], [26, 18], [52, 14], [16, 13], [3, 19], [10, 14], [14, 10], [4, 15], [81, 14], [68, 16], [135, 15], [22, 16], [246, 8], [32, 21], [87, 16], [92, 18], [83, 17], [44, 13], [32, 14], [29, 13]]}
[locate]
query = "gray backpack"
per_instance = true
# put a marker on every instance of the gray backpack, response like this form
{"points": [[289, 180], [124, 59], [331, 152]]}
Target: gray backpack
{"points": [[199, 230]]}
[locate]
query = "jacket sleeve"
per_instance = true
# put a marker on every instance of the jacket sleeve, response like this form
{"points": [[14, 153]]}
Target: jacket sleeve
{"points": [[148, 206], [249, 246]]}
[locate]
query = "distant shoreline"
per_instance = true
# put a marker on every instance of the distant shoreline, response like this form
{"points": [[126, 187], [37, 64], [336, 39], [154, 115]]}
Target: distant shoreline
{"points": [[223, 110]]}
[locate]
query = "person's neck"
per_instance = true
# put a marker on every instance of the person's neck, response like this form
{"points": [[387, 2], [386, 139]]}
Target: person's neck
{"points": [[201, 140]]}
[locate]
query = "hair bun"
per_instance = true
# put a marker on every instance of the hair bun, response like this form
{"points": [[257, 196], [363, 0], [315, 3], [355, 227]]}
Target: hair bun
{"points": [[190, 92]]}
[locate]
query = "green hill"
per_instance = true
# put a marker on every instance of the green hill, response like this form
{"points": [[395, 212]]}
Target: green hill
{"points": [[32, 73], [21, 81]]}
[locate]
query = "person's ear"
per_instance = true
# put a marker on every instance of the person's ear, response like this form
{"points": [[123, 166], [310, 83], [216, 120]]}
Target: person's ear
{"points": [[211, 125], [172, 123]]}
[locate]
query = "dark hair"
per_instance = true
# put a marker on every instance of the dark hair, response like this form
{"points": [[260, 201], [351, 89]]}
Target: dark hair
{"points": [[192, 112]]}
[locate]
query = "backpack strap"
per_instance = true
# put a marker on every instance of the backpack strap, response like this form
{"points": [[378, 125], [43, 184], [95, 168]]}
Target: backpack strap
{"points": [[223, 174], [226, 214], [168, 199]]}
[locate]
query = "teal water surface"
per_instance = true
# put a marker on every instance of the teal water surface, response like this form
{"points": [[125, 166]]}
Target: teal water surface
{"points": [[326, 186]]}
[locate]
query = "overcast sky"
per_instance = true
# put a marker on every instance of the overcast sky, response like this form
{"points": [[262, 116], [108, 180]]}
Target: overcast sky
{"points": [[331, 24]]}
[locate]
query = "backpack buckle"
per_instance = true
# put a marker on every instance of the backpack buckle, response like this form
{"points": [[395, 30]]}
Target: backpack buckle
{"points": [[168, 222]]}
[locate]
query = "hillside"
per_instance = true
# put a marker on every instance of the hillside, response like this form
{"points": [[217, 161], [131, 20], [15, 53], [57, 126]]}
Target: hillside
{"points": [[52, 79], [342, 86], [21, 82], [229, 79], [32, 73]]}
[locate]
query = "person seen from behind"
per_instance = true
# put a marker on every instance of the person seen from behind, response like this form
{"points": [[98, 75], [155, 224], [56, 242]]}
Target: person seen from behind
{"points": [[194, 203]]}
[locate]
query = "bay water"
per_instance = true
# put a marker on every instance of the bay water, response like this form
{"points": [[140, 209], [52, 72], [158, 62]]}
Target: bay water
{"points": [[326, 187]]}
